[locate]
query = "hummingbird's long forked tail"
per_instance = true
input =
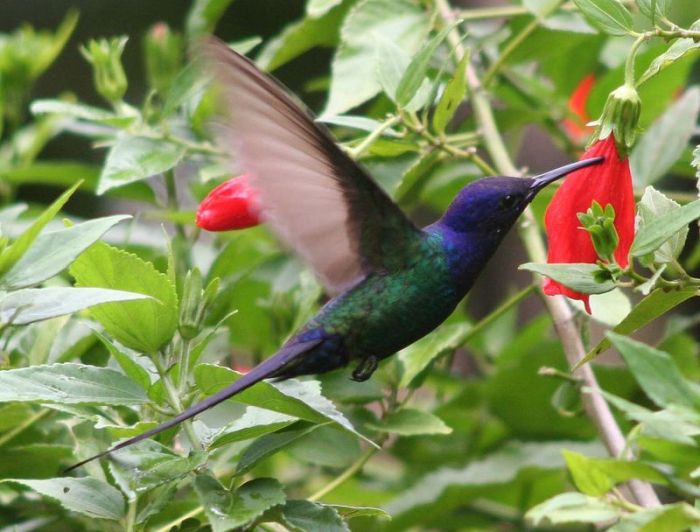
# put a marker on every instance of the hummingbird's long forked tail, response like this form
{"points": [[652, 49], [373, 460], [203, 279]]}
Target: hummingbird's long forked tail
{"points": [[266, 369]]}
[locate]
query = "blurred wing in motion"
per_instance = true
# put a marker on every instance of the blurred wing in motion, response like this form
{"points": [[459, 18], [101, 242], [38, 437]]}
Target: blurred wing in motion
{"points": [[317, 199]]}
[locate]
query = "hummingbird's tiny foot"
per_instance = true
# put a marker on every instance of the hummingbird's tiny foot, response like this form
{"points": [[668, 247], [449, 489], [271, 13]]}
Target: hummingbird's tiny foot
{"points": [[365, 369]]}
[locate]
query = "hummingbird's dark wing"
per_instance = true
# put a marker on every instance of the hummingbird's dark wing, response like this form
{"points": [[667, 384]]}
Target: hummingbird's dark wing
{"points": [[317, 199]]}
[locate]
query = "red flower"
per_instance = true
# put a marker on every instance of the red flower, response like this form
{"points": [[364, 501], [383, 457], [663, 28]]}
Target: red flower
{"points": [[576, 126], [607, 183], [231, 205]]}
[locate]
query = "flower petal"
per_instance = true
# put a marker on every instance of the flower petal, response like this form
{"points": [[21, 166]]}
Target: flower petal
{"points": [[607, 183], [231, 205]]}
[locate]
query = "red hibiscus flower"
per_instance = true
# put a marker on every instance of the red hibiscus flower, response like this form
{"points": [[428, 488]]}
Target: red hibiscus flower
{"points": [[607, 183], [231, 205], [576, 125]]}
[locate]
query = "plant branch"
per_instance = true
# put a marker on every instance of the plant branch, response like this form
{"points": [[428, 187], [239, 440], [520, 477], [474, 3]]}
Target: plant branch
{"points": [[562, 315], [174, 400], [23, 426], [345, 475]]}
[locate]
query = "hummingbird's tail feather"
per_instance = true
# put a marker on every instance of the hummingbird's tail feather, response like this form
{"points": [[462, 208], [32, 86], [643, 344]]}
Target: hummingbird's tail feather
{"points": [[266, 369]]}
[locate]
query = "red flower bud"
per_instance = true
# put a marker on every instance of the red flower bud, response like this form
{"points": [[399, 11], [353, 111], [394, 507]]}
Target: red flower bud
{"points": [[576, 125], [231, 205], [607, 183]]}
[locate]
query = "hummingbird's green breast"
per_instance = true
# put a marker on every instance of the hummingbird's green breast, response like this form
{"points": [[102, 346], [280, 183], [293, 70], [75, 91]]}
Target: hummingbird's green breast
{"points": [[388, 311]]}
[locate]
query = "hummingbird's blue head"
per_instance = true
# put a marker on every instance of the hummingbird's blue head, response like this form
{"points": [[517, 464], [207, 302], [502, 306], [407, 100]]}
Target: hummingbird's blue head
{"points": [[489, 205], [492, 205]]}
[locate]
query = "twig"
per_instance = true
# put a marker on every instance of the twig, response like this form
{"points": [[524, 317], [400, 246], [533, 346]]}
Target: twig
{"points": [[562, 315]]}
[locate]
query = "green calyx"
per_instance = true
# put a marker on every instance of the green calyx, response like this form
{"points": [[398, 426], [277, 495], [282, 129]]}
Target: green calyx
{"points": [[105, 56], [600, 224], [621, 118]]}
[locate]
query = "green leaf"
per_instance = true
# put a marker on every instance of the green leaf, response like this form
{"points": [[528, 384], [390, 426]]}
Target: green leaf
{"points": [[572, 508], [192, 79], [415, 358], [34, 460], [36, 304], [269, 444], [150, 464], [301, 36], [609, 16], [416, 72], [664, 142], [65, 173], [578, 276], [130, 367], [677, 517], [350, 512], [301, 516], [499, 467], [255, 422], [653, 235], [411, 422], [678, 425], [354, 79], [416, 176], [226, 511], [136, 158], [11, 255], [318, 8], [679, 49], [302, 400], [656, 372], [361, 123], [339, 387], [141, 325], [654, 8], [453, 95], [541, 8], [326, 446], [69, 384], [81, 112], [597, 476], [88, 496], [203, 16], [392, 61], [656, 304], [652, 205], [53, 251], [588, 480]]}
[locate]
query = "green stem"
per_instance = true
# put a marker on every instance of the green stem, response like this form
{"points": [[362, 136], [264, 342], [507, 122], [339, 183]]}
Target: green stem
{"points": [[348, 473], [497, 313], [184, 363], [631, 57], [131, 514], [514, 44], [23, 426], [175, 522], [174, 400], [363, 146]]}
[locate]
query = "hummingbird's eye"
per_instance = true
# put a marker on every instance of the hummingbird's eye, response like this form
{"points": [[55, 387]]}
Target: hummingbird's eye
{"points": [[509, 201]]}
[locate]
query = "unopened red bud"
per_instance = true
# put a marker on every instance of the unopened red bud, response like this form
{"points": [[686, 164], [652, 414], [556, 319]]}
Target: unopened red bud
{"points": [[232, 205]]}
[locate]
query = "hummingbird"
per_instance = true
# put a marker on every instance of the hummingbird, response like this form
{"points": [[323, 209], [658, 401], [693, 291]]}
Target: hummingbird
{"points": [[391, 282]]}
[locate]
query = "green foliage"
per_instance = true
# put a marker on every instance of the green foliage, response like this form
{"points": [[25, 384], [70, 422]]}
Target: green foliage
{"points": [[143, 325], [481, 424]]}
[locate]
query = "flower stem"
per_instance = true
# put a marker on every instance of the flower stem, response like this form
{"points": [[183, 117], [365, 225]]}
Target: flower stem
{"points": [[175, 522], [345, 475], [562, 315], [174, 400], [23, 426], [631, 57], [363, 146]]}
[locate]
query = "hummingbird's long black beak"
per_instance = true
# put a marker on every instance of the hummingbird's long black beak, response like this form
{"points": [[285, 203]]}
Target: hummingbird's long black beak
{"points": [[542, 180]]}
